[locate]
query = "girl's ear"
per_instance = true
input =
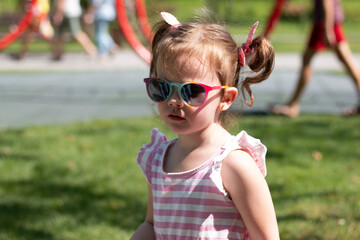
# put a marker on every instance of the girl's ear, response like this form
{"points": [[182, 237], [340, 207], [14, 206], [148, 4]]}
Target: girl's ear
{"points": [[229, 97]]}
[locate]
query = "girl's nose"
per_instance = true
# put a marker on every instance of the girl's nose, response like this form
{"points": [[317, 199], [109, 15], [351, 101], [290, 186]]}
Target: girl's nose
{"points": [[175, 100]]}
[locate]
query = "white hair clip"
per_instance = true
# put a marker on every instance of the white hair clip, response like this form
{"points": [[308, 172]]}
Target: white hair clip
{"points": [[170, 19]]}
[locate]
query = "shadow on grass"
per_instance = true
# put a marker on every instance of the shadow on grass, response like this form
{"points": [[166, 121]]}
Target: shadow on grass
{"points": [[280, 194], [41, 197], [67, 206]]}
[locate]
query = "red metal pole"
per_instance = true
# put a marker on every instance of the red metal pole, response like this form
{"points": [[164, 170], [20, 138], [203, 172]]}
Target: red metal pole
{"points": [[129, 34], [19, 29], [274, 17], [143, 19]]}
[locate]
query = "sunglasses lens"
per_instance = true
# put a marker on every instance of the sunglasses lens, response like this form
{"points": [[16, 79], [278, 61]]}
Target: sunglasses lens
{"points": [[193, 94], [158, 90]]}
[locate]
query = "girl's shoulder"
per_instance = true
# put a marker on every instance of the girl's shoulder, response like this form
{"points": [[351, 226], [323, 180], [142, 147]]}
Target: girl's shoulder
{"points": [[155, 138], [244, 148], [148, 151], [244, 166]]}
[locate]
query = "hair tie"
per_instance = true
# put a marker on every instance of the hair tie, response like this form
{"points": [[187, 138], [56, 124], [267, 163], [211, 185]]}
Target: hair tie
{"points": [[170, 19], [245, 49]]}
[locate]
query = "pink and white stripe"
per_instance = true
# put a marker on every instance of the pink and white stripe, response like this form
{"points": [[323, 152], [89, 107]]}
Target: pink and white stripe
{"points": [[194, 204]]}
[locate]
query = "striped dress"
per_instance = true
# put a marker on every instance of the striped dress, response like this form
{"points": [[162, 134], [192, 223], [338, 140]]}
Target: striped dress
{"points": [[194, 204]]}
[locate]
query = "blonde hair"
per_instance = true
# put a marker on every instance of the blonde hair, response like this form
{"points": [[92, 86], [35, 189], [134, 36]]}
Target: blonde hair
{"points": [[212, 45]]}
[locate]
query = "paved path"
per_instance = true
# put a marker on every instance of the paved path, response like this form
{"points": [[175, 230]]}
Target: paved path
{"points": [[38, 91], [127, 59]]}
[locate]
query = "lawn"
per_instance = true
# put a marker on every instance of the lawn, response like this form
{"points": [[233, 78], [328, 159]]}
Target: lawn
{"points": [[81, 180]]}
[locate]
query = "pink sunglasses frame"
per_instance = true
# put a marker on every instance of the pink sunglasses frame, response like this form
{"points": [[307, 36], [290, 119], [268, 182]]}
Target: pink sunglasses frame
{"points": [[179, 86]]}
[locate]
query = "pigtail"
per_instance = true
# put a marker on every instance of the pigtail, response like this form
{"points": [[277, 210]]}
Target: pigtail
{"points": [[261, 62]]}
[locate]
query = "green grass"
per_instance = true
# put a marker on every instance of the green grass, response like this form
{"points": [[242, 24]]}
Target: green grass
{"points": [[81, 181]]}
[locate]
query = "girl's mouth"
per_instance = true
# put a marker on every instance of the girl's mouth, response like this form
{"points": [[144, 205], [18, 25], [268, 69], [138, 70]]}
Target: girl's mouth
{"points": [[175, 117]]}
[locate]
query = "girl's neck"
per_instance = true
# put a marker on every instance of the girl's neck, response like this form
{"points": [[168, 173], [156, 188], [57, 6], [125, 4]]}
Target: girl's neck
{"points": [[192, 150], [213, 135]]}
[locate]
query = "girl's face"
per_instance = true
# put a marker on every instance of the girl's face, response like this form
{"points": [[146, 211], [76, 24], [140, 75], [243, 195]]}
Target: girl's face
{"points": [[180, 118]]}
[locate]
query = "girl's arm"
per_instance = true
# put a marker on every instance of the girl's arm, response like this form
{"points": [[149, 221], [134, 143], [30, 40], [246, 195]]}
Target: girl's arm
{"points": [[250, 193], [329, 14], [146, 230]]}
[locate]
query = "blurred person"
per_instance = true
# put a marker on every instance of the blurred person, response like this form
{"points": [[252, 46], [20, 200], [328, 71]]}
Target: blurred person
{"points": [[102, 13], [327, 33], [67, 13], [40, 24]]}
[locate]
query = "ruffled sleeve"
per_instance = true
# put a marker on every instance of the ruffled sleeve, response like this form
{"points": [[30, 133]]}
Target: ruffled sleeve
{"points": [[254, 147], [148, 151]]}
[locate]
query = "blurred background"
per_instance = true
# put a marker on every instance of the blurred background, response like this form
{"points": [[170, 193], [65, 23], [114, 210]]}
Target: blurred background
{"points": [[237, 14]]}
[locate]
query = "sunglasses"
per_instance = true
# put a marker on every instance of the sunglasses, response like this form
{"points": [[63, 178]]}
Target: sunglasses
{"points": [[191, 94]]}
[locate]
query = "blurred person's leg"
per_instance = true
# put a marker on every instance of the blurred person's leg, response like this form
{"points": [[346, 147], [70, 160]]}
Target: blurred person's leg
{"points": [[81, 37], [304, 79], [58, 41], [86, 43], [315, 43], [345, 56], [58, 46], [292, 109], [28, 36], [106, 44]]}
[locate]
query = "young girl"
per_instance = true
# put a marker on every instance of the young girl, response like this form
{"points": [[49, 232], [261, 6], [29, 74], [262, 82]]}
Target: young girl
{"points": [[205, 184]]}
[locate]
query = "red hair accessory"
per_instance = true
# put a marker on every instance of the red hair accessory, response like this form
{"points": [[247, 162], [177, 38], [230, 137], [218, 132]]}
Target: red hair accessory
{"points": [[245, 50]]}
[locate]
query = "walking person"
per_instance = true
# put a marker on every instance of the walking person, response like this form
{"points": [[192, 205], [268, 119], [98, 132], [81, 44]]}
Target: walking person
{"points": [[67, 14], [102, 13], [327, 33], [40, 25]]}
